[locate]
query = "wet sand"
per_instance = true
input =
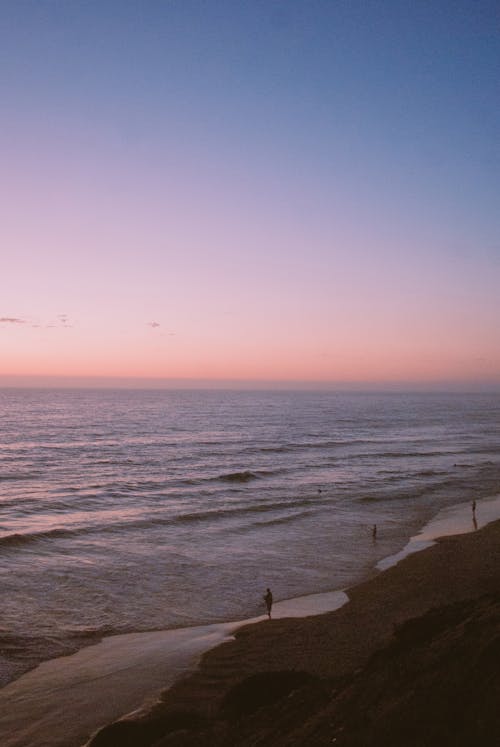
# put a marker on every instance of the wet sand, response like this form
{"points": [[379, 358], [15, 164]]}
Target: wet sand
{"points": [[63, 701], [331, 647]]}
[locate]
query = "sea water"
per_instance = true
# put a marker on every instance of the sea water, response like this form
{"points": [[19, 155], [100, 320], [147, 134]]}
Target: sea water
{"points": [[128, 510]]}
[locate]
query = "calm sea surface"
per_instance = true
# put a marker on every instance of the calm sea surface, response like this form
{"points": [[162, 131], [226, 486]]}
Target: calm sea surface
{"points": [[134, 510]]}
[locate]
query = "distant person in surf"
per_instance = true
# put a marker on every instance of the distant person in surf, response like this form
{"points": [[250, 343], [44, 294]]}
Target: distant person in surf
{"points": [[374, 531], [268, 599], [473, 507]]}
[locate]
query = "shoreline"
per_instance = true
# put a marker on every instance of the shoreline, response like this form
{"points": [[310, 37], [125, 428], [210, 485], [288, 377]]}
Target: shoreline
{"points": [[61, 686], [432, 619]]}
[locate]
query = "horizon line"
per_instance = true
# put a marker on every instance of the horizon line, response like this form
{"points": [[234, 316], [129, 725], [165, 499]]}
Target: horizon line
{"points": [[34, 381]]}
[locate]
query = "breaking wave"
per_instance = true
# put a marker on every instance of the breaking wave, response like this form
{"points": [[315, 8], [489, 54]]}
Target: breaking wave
{"points": [[244, 476]]}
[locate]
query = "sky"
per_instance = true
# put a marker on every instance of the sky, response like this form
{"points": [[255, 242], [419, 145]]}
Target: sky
{"points": [[250, 191]]}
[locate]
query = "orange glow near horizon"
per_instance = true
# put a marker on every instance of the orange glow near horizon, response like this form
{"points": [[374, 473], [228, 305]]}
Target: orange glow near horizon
{"points": [[259, 360]]}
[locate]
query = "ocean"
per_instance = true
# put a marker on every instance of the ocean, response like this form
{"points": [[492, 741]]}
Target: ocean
{"points": [[134, 510]]}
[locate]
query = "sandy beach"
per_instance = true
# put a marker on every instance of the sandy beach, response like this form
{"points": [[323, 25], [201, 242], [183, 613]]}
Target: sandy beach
{"points": [[234, 697], [63, 701]]}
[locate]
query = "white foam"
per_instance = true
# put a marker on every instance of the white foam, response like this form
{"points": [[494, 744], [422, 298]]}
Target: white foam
{"points": [[457, 519]]}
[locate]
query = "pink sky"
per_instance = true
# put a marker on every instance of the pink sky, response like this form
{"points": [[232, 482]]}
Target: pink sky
{"points": [[221, 223], [147, 277]]}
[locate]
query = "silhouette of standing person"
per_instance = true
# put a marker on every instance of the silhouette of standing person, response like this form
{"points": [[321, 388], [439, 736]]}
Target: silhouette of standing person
{"points": [[473, 507], [374, 531], [268, 599]]}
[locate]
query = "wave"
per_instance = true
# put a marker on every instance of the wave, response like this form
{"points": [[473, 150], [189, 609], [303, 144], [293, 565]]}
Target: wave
{"points": [[14, 643], [330, 444], [393, 474], [14, 476], [482, 481], [237, 511], [437, 453], [266, 450], [244, 476], [117, 462], [247, 475], [431, 473], [407, 454], [274, 521], [282, 519], [17, 539], [232, 477], [11, 541], [89, 632], [469, 465], [397, 496], [390, 477]]}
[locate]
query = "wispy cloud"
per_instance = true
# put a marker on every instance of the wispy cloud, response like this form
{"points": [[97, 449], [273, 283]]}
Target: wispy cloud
{"points": [[155, 325], [62, 320]]}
